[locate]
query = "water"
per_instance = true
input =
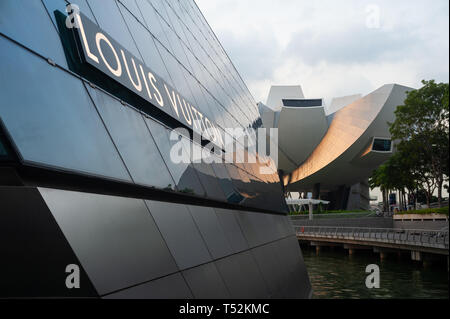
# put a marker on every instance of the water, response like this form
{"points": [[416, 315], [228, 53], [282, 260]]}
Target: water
{"points": [[336, 275]]}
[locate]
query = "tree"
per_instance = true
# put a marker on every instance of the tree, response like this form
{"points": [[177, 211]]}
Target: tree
{"points": [[395, 174], [422, 128], [416, 162], [378, 179]]}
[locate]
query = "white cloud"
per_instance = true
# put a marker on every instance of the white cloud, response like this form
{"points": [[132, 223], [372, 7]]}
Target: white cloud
{"points": [[325, 45]]}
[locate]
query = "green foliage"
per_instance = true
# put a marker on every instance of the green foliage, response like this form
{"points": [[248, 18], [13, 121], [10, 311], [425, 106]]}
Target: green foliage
{"points": [[396, 173], [187, 190], [442, 210], [421, 132], [168, 188], [425, 111], [422, 197]]}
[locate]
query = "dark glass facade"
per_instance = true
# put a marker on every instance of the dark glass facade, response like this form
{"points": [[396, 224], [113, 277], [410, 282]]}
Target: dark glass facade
{"points": [[96, 159]]}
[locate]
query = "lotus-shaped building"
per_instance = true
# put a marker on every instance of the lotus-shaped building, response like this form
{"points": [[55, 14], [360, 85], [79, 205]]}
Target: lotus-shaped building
{"points": [[332, 151]]}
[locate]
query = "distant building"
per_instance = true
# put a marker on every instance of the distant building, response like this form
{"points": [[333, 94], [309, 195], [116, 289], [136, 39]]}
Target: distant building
{"points": [[332, 151]]}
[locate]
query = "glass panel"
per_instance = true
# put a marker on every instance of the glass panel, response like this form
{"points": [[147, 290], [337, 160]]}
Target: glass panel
{"points": [[180, 233], [197, 92], [257, 228], [272, 270], [280, 225], [28, 23], [237, 182], [256, 193], [211, 230], [147, 48], [190, 84], [133, 140], [290, 255], [110, 19], [206, 283], [225, 182], [194, 64], [160, 6], [51, 118], [242, 276], [215, 108], [175, 23], [133, 8], [176, 73], [170, 287], [175, 44], [203, 170], [231, 229], [115, 238], [182, 172], [209, 181], [153, 21]]}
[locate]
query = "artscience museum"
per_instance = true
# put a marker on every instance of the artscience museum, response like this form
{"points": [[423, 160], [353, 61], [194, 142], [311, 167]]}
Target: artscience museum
{"points": [[332, 150]]}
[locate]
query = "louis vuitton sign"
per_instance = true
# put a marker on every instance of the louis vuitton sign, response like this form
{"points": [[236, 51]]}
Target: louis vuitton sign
{"points": [[102, 52]]}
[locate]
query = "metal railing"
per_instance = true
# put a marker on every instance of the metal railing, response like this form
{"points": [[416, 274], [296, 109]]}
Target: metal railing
{"points": [[335, 215], [436, 204], [415, 237]]}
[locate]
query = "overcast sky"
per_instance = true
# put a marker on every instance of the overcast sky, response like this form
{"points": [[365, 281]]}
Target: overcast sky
{"points": [[332, 48]]}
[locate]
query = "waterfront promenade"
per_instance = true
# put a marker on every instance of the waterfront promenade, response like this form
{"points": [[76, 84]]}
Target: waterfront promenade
{"points": [[365, 233]]}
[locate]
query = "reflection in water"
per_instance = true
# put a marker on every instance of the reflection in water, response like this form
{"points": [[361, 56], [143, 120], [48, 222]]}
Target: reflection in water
{"points": [[335, 275]]}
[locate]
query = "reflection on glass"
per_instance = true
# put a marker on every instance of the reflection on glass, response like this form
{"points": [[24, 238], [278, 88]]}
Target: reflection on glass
{"points": [[209, 181], [110, 19], [133, 140], [146, 45], [39, 34], [182, 171], [225, 182], [53, 123], [3, 152]]}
